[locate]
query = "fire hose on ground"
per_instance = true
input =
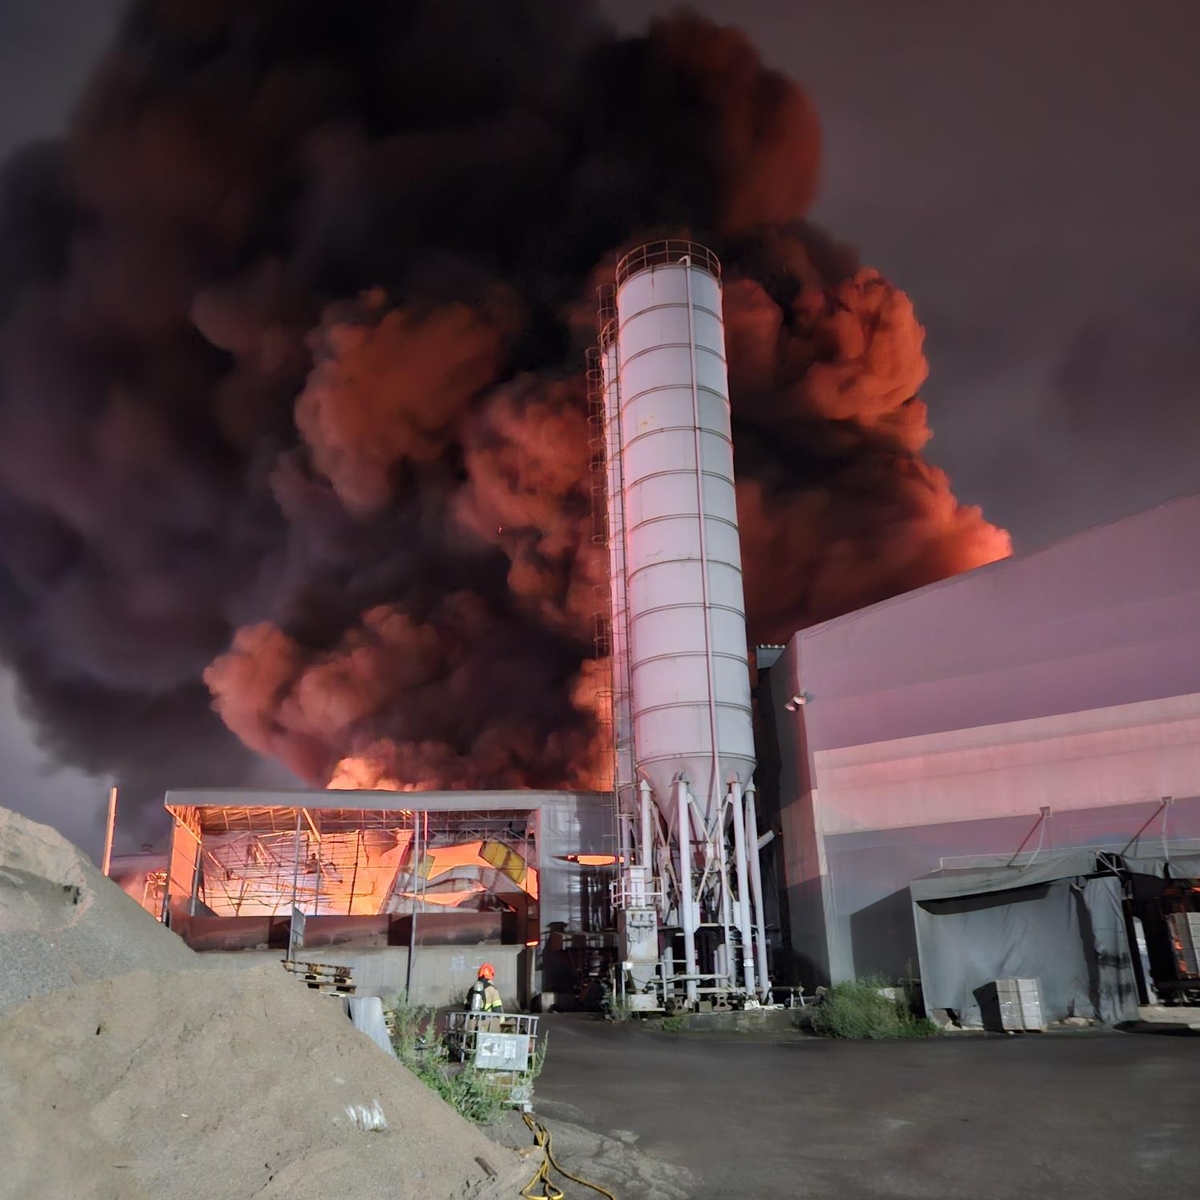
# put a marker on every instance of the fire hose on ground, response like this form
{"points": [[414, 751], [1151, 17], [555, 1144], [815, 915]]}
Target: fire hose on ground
{"points": [[551, 1191]]}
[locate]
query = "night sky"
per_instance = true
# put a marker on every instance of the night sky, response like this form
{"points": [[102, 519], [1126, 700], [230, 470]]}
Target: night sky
{"points": [[1026, 173]]}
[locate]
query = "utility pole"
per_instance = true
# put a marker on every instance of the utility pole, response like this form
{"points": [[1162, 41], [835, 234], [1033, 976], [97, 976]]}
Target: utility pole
{"points": [[111, 826]]}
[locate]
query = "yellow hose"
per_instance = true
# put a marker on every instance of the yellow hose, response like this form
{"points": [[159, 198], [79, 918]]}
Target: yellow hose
{"points": [[550, 1191]]}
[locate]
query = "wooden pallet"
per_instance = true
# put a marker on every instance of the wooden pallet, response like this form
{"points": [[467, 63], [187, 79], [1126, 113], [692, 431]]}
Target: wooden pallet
{"points": [[322, 977]]}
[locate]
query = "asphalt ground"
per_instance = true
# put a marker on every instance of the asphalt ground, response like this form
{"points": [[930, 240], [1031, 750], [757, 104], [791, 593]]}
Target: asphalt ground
{"points": [[1101, 1116]]}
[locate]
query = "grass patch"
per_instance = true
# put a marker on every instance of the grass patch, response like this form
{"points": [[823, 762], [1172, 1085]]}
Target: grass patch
{"points": [[614, 1006], [858, 1010]]}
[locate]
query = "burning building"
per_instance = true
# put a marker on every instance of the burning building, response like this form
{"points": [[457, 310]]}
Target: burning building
{"points": [[483, 872]]}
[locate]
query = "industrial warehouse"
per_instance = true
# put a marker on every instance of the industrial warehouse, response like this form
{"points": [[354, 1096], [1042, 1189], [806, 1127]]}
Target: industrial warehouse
{"points": [[999, 776], [993, 778]]}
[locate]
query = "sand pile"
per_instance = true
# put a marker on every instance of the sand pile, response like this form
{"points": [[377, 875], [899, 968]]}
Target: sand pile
{"points": [[170, 1084], [63, 923]]}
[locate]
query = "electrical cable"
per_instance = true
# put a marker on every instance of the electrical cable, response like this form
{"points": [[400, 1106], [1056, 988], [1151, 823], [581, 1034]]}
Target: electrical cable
{"points": [[550, 1191]]}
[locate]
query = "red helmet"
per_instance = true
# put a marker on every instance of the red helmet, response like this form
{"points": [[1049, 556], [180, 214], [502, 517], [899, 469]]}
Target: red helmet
{"points": [[487, 971]]}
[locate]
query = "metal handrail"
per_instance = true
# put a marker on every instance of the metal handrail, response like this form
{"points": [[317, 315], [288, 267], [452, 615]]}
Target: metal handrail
{"points": [[667, 253]]}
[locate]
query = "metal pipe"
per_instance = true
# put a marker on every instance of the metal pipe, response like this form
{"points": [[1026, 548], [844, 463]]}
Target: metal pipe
{"points": [[713, 799], [646, 831], [714, 809], [756, 845], [712, 862], [165, 911], [196, 879], [109, 828], [743, 885], [358, 845], [1166, 800], [624, 841], [719, 837], [412, 926], [687, 919], [623, 742], [1040, 825], [296, 860]]}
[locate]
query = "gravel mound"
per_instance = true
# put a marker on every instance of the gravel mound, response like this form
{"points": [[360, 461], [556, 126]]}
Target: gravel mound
{"points": [[62, 923], [218, 1085], [199, 1083]]}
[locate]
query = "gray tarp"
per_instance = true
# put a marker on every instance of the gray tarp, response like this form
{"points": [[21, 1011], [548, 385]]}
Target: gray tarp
{"points": [[367, 1014], [975, 881], [974, 927], [1184, 865]]}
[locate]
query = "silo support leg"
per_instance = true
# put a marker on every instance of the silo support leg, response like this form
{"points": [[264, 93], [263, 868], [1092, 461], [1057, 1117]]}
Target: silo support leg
{"points": [[760, 944], [687, 907], [743, 887]]}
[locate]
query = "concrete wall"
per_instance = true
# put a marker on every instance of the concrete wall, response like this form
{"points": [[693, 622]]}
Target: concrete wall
{"points": [[441, 974]]}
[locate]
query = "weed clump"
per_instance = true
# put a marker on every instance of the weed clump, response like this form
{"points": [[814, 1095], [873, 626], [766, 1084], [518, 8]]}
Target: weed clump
{"points": [[471, 1093], [862, 1010]]}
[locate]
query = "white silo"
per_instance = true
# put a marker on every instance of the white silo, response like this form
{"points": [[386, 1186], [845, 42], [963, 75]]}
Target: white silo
{"points": [[677, 583]]}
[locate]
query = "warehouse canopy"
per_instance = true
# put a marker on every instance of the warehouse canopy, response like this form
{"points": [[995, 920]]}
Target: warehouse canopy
{"points": [[978, 881], [1176, 862], [1045, 920]]}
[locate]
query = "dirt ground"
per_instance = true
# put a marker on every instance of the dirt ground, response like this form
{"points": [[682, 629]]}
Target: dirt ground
{"points": [[1071, 1116]]}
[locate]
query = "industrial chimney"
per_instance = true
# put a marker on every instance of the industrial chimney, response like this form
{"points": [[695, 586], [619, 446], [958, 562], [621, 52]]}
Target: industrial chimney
{"points": [[681, 684]]}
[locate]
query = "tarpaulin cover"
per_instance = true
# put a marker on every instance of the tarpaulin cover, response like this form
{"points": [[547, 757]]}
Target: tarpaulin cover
{"points": [[1185, 865], [367, 1014], [976, 881], [1066, 932]]}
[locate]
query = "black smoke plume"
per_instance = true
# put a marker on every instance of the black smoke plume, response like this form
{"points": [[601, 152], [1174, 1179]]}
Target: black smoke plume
{"points": [[291, 412]]}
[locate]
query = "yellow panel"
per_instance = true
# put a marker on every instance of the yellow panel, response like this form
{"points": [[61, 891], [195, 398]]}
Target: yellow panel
{"points": [[505, 859]]}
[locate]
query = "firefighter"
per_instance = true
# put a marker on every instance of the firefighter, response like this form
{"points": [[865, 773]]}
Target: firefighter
{"points": [[483, 996]]}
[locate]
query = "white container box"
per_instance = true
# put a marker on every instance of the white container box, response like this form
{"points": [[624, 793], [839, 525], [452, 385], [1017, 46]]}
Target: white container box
{"points": [[1020, 1004]]}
